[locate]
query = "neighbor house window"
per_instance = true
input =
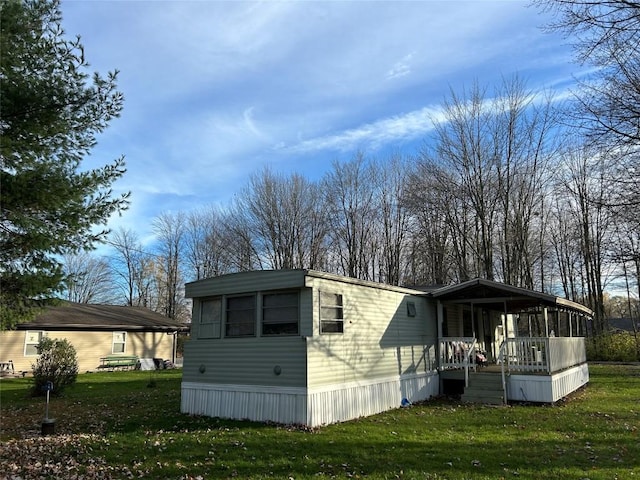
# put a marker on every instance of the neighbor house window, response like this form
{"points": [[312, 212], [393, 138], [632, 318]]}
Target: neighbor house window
{"points": [[241, 316], [280, 314], [31, 341], [411, 309], [331, 313], [210, 318], [119, 342]]}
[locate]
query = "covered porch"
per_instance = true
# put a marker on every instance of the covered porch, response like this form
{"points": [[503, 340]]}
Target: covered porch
{"points": [[532, 342]]}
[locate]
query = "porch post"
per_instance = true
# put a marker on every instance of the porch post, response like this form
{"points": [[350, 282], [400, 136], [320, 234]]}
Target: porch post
{"points": [[546, 321], [505, 324], [473, 321], [570, 316]]}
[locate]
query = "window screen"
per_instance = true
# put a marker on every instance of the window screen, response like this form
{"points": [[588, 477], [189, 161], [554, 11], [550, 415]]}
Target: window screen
{"points": [[241, 316]]}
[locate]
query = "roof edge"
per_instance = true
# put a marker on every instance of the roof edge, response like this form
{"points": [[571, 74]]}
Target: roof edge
{"points": [[543, 297], [363, 283]]}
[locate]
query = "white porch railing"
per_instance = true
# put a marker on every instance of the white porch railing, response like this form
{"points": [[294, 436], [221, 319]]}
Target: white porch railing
{"points": [[541, 354], [458, 352]]}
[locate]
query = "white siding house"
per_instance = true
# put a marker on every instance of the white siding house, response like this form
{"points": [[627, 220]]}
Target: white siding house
{"points": [[307, 347]]}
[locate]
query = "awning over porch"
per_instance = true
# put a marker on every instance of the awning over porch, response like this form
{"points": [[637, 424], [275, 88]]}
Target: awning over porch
{"points": [[532, 336], [502, 297]]}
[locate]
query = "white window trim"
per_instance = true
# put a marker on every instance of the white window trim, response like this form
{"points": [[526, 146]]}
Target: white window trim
{"points": [[41, 333], [341, 306], [113, 342]]}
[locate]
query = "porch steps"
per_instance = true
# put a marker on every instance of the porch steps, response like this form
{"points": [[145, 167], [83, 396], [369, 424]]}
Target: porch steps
{"points": [[484, 388]]}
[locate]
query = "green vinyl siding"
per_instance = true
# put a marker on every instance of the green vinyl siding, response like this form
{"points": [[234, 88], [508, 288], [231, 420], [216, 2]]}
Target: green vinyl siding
{"points": [[246, 361], [380, 338], [234, 359]]}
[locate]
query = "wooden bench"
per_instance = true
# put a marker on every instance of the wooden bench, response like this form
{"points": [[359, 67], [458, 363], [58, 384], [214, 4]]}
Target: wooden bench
{"points": [[120, 362]]}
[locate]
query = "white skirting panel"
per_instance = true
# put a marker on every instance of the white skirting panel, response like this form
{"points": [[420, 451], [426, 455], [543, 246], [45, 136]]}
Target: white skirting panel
{"points": [[342, 402], [245, 402], [319, 406], [547, 388], [569, 381]]}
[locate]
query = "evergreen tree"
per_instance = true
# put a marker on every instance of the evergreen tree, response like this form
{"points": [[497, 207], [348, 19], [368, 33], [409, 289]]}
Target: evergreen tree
{"points": [[51, 110]]}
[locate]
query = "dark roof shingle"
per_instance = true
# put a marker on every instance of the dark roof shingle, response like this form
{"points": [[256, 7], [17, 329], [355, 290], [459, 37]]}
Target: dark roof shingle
{"points": [[81, 316]]}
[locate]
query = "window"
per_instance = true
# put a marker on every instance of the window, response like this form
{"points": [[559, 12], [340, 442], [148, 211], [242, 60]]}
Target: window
{"points": [[280, 314], [241, 317], [331, 313], [411, 309], [210, 318], [119, 342], [31, 341]]}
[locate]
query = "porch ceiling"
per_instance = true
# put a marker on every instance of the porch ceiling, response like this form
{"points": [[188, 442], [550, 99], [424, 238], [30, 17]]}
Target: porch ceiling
{"points": [[497, 296]]}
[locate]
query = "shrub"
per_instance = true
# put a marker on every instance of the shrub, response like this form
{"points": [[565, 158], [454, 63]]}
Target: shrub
{"points": [[181, 341], [57, 363], [613, 347]]}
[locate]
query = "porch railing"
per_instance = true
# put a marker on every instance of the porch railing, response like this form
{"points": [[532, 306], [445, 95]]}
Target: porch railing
{"points": [[458, 352], [541, 354]]}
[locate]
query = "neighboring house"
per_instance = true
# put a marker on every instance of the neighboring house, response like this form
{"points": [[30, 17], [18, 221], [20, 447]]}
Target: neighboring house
{"points": [[624, 325], [95, 331], [306, 347]]}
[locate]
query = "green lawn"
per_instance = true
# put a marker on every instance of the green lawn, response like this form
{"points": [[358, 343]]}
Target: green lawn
{"points": [[114, 425]]}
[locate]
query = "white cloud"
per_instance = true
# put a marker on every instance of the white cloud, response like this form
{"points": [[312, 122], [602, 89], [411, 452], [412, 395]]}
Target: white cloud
{"points": [[373, 135], [251, 124], [401, 68], [214, 90]]}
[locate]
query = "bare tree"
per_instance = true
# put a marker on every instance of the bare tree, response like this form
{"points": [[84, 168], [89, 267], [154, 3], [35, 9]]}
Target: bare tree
{"points": [[243, 250], [284, 220], [350, 196], [525, 145], [437, 227], [394, 218], [128, 265], [146, 282], [585, 185], [489, 167], [465, 146], [564, 233], [625, 252], [87, 279], [206, 245], [170, 233], [606, 35]]}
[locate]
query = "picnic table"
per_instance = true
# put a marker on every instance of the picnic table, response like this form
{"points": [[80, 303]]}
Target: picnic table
{"points": [[119, 362]]}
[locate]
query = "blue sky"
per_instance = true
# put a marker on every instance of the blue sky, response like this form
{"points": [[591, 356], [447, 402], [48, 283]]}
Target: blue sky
{"points": [[214, 91]]}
